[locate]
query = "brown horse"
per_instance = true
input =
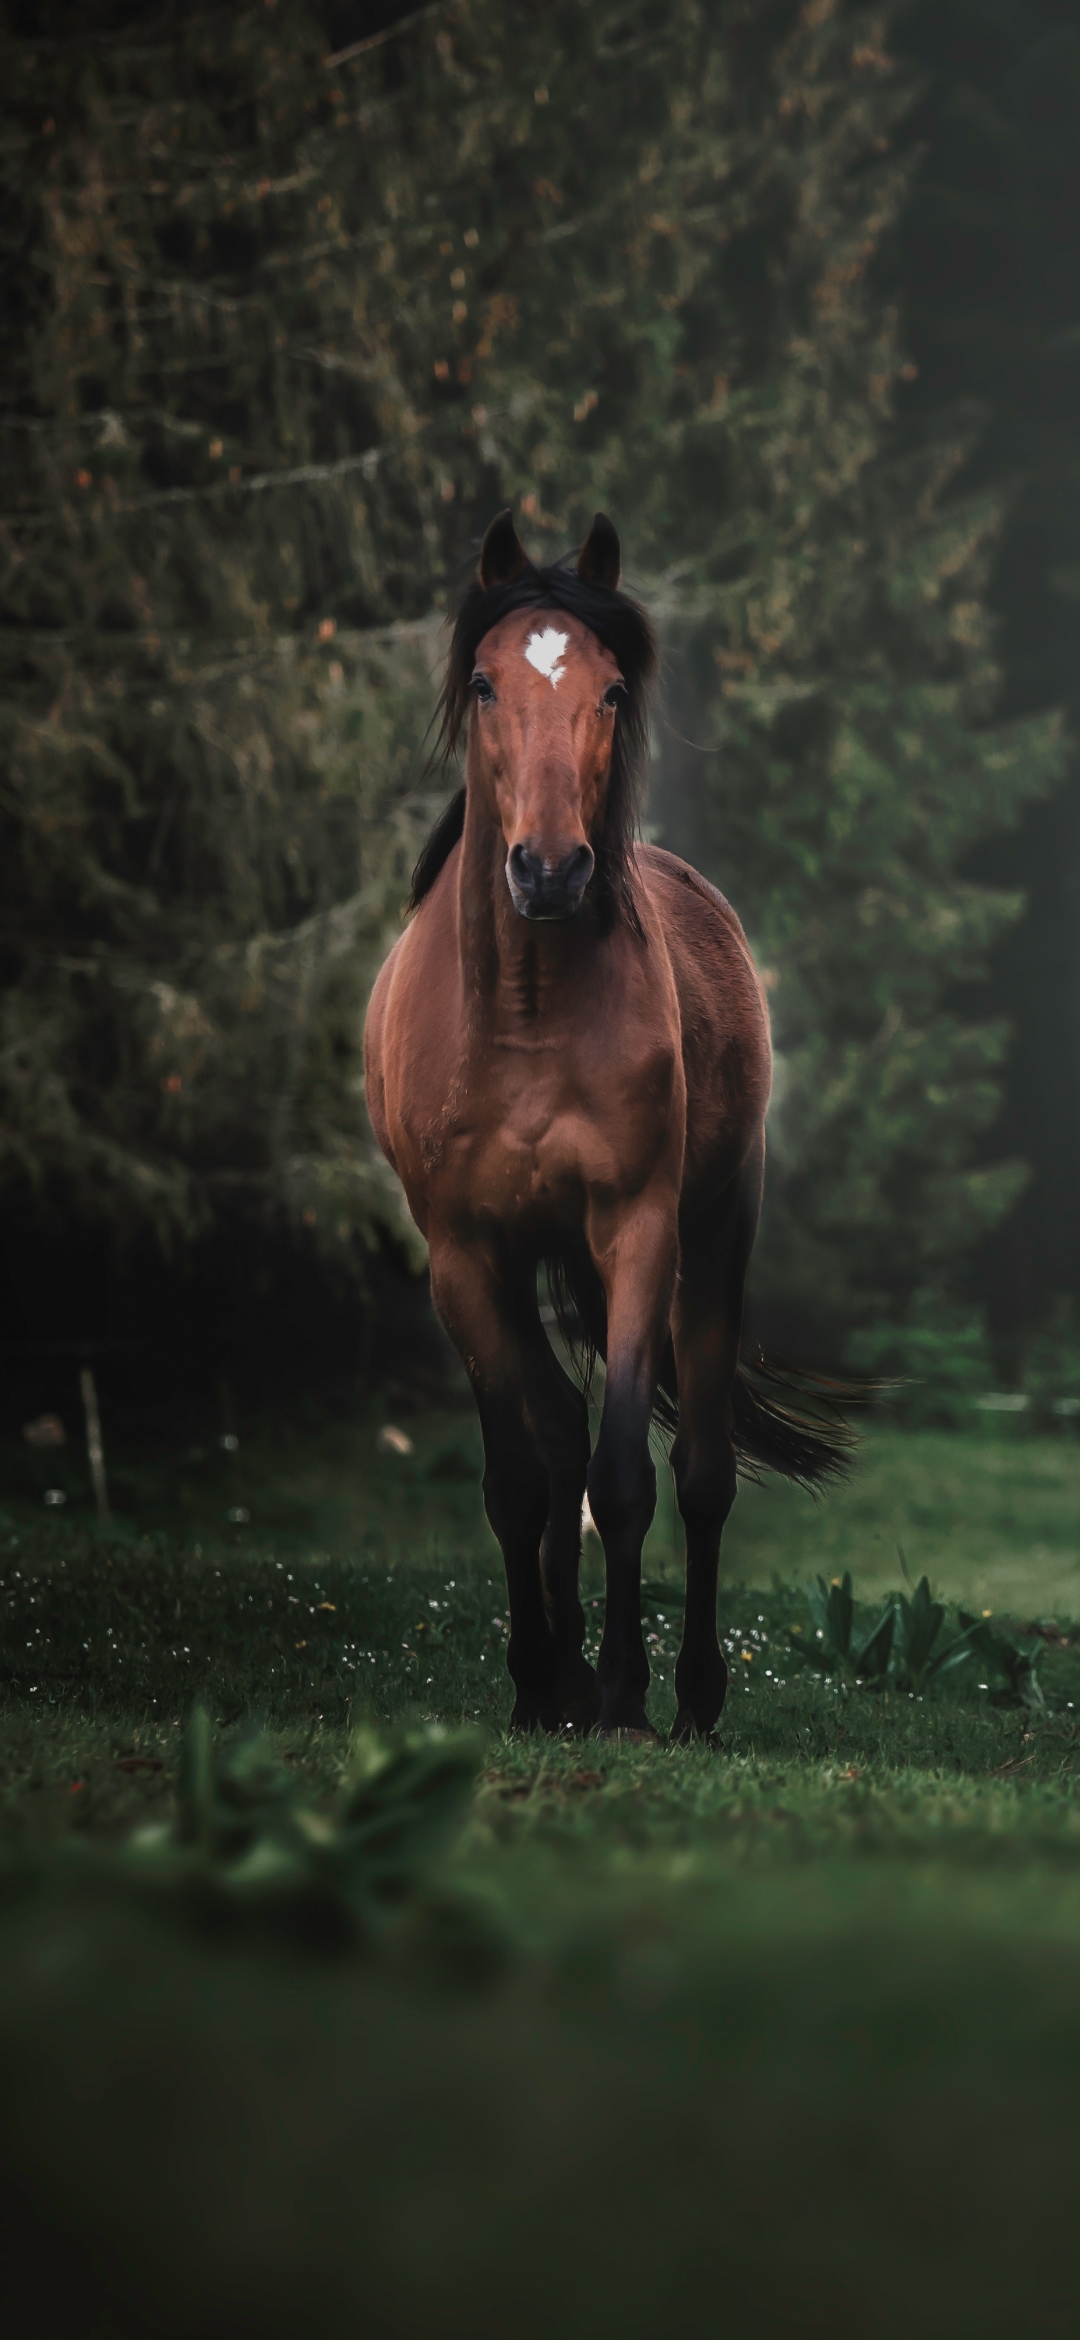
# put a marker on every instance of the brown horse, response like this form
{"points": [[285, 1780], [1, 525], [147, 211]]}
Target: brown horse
{"points": [[568, 1063]]}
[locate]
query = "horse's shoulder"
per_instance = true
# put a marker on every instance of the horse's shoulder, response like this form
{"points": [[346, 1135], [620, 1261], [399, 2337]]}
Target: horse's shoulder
{"points": [[385, 1000], [380, 993], [428, 932], [679, 880]]}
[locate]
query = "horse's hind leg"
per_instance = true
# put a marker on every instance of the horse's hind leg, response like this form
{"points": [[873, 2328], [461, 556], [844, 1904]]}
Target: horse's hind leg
{"points": [[707, 1325], [474, 1307]]}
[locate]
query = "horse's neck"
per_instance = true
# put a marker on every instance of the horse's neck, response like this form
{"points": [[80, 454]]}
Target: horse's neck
{"points": [[516, 973]]}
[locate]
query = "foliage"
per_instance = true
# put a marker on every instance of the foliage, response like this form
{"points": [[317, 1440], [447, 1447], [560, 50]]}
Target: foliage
{"points": [[288, 330], [919, 1661], [937, 1359], [833, 1650], [900, 1644], [213, 674], [1051, 1365], [1014, 1662], [245, 1847], [843, 681], [987, 254], [901, 1647], [936, 1367]]}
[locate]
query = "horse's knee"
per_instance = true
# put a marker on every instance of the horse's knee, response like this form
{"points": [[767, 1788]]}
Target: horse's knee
{"points": [[705, 1485], [622, 1491]]}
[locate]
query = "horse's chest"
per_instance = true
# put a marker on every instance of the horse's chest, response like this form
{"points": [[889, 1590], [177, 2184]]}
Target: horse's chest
{"points": [[529, 1137], [507, 1147]]}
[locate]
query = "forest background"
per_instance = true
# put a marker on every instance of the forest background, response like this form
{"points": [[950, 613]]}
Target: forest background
{"points": [[295, 297]]}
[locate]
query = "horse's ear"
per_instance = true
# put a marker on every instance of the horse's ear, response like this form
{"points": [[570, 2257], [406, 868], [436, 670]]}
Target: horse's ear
{"points": [[600, 559], [502, 555]]}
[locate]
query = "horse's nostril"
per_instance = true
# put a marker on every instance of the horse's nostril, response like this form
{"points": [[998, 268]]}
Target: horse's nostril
{"points": [[525, 870], [577, 869]]}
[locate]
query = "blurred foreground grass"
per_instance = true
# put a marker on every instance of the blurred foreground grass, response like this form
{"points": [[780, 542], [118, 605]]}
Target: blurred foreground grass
{"points": [[783, 2035]]}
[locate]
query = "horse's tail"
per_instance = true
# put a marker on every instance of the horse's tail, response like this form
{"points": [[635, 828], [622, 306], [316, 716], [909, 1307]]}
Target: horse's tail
{"points": [[787, 1418], [784, 1418]]}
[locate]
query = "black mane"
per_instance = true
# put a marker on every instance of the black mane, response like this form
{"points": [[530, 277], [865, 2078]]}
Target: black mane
{"points": [[624, 629]]}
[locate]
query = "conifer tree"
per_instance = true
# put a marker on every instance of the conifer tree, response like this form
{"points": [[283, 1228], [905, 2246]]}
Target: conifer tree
{"points": [[990, 259], [213, 661], [292, 326]]}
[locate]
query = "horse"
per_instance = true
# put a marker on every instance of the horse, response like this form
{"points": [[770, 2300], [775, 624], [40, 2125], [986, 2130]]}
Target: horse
{"points": [[568, 1066]]}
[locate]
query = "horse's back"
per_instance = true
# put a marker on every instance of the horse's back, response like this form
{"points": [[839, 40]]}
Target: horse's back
{"points": [[683, 880], [724, 1016]]}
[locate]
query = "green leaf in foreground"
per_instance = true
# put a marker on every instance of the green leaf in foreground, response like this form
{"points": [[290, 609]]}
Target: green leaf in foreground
{"points": [[834, 1648], [903, 1645], [919, 1660], [245, 1844], [1015, 1661]]}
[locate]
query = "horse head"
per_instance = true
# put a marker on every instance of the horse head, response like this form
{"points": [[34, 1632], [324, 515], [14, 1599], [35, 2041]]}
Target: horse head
{"points": [[546, 694]]}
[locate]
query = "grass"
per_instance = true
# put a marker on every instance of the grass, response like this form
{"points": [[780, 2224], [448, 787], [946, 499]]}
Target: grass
{"points": [[992, 1518], [784, 2034]]}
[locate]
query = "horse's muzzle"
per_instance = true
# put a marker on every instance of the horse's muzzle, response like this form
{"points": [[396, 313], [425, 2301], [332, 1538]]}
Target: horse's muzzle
{"points": [[542, 889]]}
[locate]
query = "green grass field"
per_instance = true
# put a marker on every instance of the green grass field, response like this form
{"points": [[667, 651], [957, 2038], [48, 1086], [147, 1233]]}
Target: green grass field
{"points": [[782, 2035]]}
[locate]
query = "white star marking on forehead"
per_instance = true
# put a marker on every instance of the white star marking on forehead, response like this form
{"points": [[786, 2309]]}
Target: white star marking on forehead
{"points": [[544, 651]]}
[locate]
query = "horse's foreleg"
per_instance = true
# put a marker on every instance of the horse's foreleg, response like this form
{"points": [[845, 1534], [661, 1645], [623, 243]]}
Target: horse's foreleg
{"points": [[472, 1304], [637, 1258], [707, 1327], [559, 1420]]}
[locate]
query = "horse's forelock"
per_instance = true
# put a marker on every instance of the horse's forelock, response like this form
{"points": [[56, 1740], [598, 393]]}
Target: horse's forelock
{"points": [[616, 620]]}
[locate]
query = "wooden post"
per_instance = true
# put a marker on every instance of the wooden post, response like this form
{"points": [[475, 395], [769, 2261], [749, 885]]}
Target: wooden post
{"points": [[94, 1446]]}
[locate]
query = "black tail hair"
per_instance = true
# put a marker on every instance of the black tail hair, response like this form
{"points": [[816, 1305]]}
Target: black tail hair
{"points": [[784, 1418]]}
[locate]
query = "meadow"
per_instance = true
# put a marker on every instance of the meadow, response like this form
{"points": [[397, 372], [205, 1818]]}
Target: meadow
{"points": [[382, 2015]]}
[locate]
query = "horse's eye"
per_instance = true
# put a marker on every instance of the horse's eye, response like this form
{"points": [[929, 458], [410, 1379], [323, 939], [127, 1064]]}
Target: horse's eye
{"points": [[614, 692], [484, 690]]}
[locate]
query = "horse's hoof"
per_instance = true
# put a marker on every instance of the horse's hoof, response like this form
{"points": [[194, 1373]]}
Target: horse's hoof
{"points": [[571, 1707], [631, 1734], [685, 1732], [525, 1719]]}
